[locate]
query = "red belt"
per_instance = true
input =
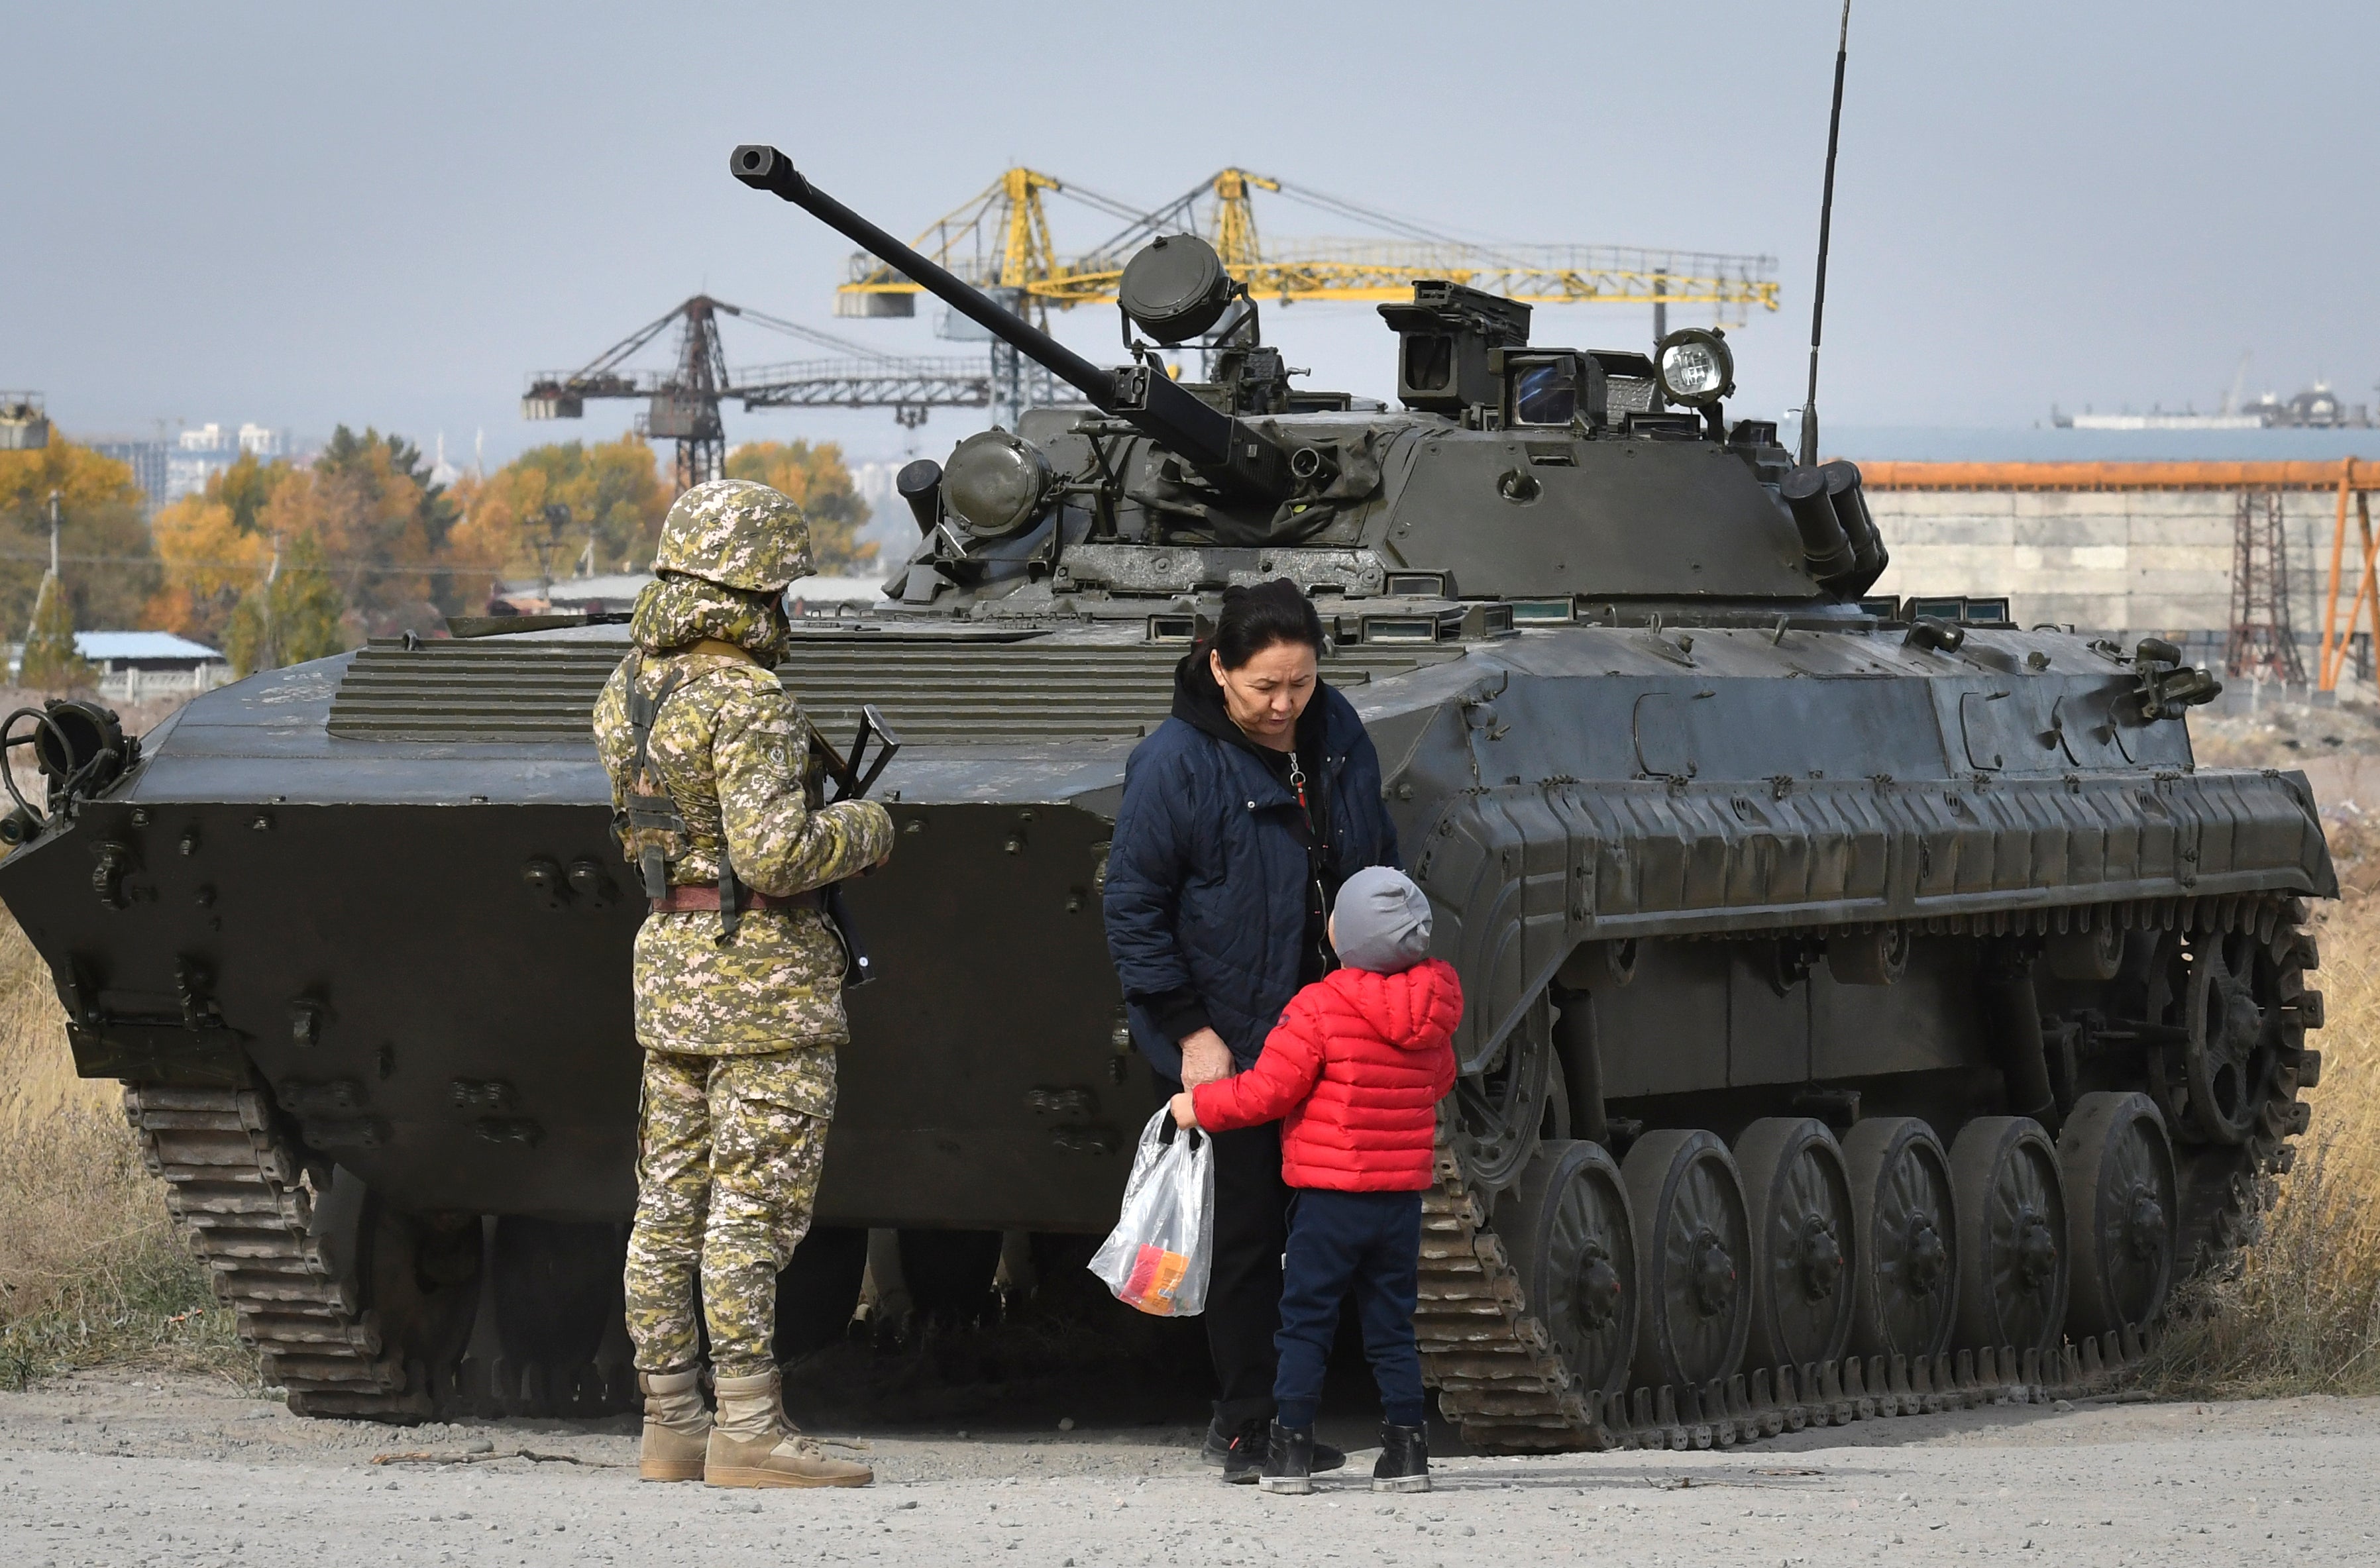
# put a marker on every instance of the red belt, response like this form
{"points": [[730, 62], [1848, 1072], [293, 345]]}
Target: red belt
{"points": [[699, 898]]}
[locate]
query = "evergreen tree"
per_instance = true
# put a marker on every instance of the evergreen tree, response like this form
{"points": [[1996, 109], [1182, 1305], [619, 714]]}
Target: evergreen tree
{"points": [[51, 663]]}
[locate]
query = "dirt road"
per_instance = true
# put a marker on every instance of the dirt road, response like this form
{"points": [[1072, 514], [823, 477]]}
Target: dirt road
{"points": [[114, 1470]]}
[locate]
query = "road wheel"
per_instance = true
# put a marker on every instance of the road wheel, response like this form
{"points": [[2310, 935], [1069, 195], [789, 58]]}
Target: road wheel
{"points": [[557, 1288], [2011, 1208], [949, 1274], [1498, 1105], [818, 1290], [1567, 1229], [1904, 1300], [1694, 1239], [1798, 1192], [2122, 1202]]}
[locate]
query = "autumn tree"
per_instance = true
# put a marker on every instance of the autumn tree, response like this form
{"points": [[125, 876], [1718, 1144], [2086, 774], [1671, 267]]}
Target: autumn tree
{"points": [[361, 536], [382, 527], [554, 508], [296, 613], [815, 476], [108, 568], [212, 550]]}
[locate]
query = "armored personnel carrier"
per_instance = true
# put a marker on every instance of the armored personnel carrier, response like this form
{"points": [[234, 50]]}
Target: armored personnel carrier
{"points": [[1869, 1010]]}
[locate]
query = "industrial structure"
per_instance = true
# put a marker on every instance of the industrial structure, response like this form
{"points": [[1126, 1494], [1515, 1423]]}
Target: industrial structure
{"points": [[2316, 407], [2260, 641], [1000, 239], [683, 401], [24, 422], [2223, 555]]}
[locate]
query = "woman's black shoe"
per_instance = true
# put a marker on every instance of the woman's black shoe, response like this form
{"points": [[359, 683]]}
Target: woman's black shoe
{"points": [[1404, 1460], [1220, 1444], [1288, 1460], [1243, 1459]]}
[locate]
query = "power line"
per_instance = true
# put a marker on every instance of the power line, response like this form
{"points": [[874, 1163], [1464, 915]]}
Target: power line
{"points": [[363, 569]]}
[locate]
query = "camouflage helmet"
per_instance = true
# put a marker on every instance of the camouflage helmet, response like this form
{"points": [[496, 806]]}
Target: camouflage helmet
{"points": [[737, 533]]}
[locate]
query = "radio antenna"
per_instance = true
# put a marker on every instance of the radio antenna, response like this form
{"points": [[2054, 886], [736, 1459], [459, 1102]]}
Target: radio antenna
{"points": [[1826, 224]]}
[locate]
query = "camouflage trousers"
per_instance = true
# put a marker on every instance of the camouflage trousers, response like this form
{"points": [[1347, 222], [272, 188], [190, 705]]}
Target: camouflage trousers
{"points": [[727, 1172]]}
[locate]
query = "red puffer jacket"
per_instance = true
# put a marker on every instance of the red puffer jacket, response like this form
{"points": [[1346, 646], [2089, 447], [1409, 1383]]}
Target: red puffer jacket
{"points": [[1355, 1069]]}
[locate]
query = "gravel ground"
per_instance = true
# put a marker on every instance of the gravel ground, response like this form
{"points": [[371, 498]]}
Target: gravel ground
{"points": [[107, 1469]]}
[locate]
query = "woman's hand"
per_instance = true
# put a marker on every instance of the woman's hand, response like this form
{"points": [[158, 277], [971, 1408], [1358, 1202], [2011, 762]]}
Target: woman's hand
{"points": [[1205, 1058], [1185, 1115]]}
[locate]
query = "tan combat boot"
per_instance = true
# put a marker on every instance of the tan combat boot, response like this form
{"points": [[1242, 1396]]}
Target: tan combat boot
{"points": [[678, 1427], [753, 1444]]}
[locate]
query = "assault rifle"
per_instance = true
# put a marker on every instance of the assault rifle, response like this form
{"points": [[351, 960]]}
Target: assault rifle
{"points": [[852, 774]]}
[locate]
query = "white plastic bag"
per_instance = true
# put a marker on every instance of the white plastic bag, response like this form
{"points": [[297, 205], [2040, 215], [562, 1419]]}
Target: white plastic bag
{"points": [[1158, 1257]]}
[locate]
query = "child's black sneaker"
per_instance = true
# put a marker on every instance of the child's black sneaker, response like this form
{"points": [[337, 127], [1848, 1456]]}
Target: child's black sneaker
{"points": [[1288, 1460], [1404, 1460]]}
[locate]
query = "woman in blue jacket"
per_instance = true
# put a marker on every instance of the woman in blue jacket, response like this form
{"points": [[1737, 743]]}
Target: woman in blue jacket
{"points": [[1241, 817]]}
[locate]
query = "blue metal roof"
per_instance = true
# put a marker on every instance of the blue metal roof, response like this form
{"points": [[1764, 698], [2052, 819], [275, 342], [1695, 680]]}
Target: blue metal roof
{"points": [[103, 648]]}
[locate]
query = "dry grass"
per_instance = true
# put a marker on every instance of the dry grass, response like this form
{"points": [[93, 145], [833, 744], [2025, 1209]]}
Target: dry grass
{"points": [[90, 1271], [2301, 1314]]}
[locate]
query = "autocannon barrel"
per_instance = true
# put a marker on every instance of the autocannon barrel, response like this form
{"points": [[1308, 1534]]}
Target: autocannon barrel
{"points": [[1239, 457]]}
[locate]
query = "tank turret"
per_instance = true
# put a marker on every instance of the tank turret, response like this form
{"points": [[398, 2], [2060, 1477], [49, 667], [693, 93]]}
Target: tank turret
{"points": [[1510, 475]]}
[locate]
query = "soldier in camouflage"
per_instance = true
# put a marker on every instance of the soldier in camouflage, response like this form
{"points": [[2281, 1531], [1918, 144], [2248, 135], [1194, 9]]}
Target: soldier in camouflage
{"points": [[738, 979]]}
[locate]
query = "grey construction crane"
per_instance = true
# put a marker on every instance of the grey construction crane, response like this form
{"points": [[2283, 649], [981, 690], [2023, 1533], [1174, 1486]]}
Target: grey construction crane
{"points": [[682, 403]]}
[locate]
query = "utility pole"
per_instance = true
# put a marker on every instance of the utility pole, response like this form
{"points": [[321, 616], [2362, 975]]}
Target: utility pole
{"points": [[49, 582], [271, 638], [557, 522]]}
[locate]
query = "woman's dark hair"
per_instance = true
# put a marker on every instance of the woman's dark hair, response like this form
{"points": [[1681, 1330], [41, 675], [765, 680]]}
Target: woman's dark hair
{"points": [[1256, 617]]}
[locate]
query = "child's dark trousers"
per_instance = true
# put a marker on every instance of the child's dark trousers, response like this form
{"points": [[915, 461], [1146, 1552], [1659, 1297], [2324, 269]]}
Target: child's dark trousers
{"points": [[1369, 1243]]}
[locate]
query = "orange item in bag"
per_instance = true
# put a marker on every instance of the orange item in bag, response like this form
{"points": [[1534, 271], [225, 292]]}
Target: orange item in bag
{"points": [[1155, 1275]]}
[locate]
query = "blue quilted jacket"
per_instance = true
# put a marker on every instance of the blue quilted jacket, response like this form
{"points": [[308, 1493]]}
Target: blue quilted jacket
{"points": [[1206, 886]]}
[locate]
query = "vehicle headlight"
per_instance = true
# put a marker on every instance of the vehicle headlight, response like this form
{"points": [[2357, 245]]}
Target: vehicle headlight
{"points": [[1696, 367], [1174, 287], [994, 485]]}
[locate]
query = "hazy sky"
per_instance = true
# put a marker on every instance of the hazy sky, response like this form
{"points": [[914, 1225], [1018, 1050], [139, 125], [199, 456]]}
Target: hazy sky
{"points": [[301, 215]]}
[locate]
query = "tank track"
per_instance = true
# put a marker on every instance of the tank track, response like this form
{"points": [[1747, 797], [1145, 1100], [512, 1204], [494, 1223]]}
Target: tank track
{"points": [[241, 1201], [236, 1195], [1499, 1378]]}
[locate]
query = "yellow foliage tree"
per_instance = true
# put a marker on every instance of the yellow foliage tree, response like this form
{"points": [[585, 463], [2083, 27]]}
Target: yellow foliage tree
{"points": [[541, 512], [211, 552], [371, 528], [109, 570], [381, 528], [815, 476]]}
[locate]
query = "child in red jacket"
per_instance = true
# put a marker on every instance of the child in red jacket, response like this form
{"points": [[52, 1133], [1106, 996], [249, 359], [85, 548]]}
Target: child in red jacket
{"points": [[1354, 1070]]}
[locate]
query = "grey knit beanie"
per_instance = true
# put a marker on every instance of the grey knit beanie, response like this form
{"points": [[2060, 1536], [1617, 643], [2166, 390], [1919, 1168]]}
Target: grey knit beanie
{"points": [[1381, 921]]}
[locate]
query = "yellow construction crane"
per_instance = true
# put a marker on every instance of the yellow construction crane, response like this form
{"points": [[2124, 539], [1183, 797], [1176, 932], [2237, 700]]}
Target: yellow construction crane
{"points": [[998, 239], [1001, 240]]}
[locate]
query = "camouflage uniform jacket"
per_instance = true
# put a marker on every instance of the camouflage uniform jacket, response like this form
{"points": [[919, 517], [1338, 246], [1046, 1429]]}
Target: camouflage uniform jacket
{"points": [[730, 746]]}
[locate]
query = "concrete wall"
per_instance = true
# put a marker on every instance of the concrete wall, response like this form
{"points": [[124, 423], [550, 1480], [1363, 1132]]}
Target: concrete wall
{"points": [[2112, 561]]}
